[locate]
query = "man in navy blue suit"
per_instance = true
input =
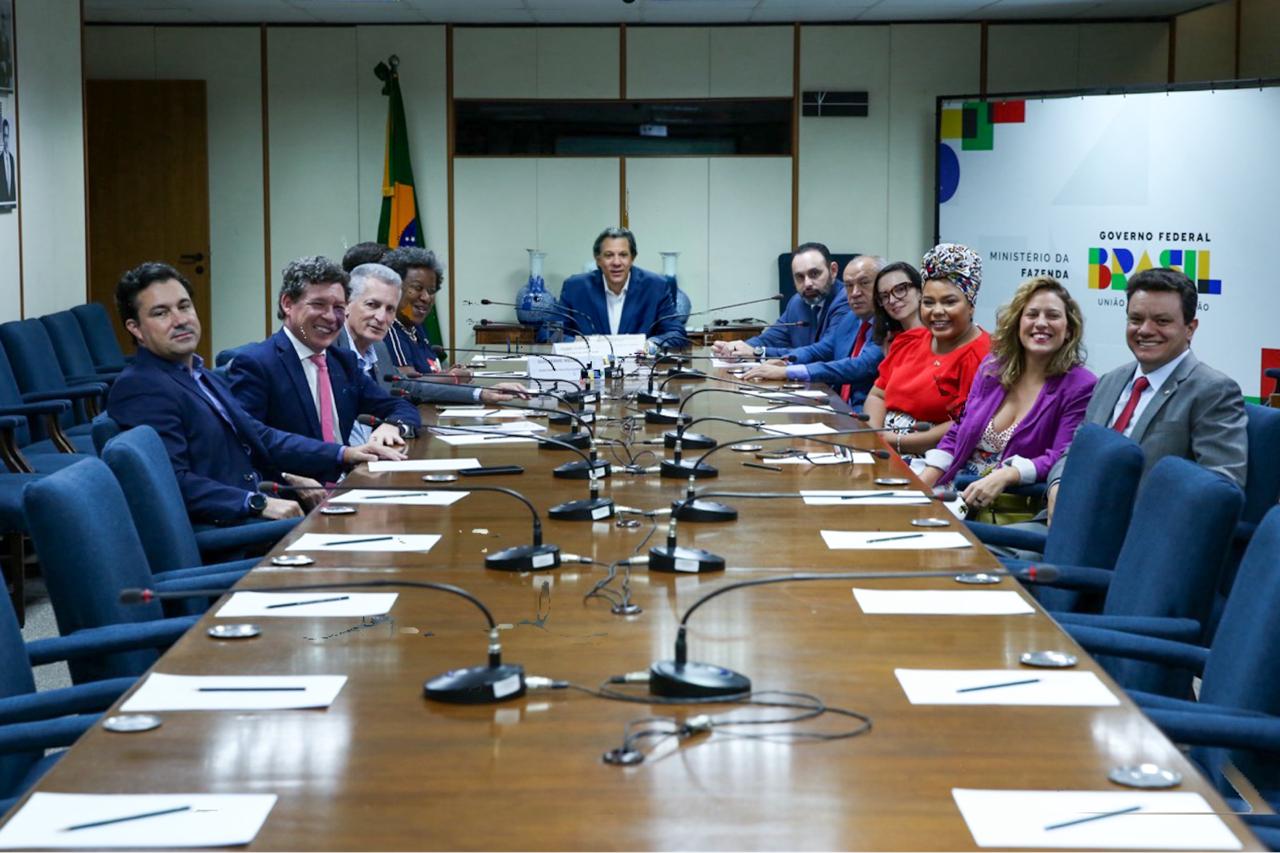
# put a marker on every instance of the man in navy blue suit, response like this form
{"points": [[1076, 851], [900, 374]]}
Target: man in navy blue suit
{"points": [[219, 453], [297, 381], [812, 314], [618, 298], [848, 359]]}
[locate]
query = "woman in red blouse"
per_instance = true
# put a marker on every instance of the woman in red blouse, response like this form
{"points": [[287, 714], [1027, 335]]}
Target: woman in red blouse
{"points": [[928, 370]]}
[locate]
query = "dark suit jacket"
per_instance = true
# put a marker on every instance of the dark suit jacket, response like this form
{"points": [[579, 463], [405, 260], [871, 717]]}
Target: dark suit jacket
{"points": [[423, 392], [649, 297], [217, 462], [828, 361], [779, 340], [1197, 414], [268, 381]]}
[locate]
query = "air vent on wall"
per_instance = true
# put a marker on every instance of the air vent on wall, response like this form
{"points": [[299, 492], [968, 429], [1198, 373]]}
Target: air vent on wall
{"points": [[827, 104]]}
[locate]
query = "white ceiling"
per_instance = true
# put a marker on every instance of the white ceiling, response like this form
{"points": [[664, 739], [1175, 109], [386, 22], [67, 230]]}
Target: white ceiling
{"points": [[519, 12]]}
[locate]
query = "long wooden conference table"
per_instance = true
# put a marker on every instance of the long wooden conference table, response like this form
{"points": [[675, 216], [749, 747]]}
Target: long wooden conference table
{"points": [[383, 768]]}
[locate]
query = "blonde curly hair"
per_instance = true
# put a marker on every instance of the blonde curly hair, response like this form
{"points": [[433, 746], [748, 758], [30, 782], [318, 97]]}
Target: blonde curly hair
{"points": [[1006, 343]]}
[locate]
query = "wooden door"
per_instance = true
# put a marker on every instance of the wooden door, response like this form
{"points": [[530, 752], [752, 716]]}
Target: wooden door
{"points": [[148, 186]]}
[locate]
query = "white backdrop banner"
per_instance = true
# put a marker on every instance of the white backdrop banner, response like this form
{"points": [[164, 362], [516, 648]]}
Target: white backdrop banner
{"points": [[1093, 189]]}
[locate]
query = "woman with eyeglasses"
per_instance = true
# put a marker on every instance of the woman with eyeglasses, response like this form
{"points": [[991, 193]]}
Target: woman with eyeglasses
{"points": [[1029, 396], [897, 302], [928, 370]]}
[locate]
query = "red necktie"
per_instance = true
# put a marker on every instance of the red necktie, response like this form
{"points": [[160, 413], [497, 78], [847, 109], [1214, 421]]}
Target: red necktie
{"points": [[858, 341], [1122, 423]]}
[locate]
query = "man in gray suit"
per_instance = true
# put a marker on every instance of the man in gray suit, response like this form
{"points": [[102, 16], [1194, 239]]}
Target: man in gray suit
{"points": [[375, 294], [1168, 401]]}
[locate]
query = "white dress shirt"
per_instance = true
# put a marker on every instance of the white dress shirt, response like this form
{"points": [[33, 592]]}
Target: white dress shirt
{"points": [[1157, 378], [615, 303]]}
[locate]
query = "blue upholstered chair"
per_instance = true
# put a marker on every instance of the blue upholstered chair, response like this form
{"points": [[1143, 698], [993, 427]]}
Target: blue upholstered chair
{"points": [[1091, 517], [141, 464], [32, 722], [89, 551], [41, 414], [100, 336], [1168, 568], [1238, 710], [103, 428], [34, 365], [73, 352]]}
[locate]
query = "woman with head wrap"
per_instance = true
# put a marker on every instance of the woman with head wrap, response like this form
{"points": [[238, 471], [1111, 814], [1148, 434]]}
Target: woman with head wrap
{"points": [[928, 370], [1026, 402]]}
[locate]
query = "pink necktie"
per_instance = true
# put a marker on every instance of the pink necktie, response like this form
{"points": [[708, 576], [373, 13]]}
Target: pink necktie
{"points": [[325, 392]]}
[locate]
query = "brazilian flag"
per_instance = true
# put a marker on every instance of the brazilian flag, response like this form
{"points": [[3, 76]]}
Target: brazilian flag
{"points": [[398, 225]]}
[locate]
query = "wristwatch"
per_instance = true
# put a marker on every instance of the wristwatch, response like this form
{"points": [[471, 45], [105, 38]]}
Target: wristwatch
{"points": [[758, 352], [257, 504]]}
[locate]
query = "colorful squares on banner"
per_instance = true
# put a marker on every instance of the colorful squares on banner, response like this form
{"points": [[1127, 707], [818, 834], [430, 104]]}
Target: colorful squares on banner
{"points": [[977, 134], [1008, 112], [952, 124], [1195, 265]]}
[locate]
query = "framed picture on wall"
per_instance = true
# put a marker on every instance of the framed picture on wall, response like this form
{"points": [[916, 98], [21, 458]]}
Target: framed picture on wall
{"points": [[6, 46], [8, 155]]}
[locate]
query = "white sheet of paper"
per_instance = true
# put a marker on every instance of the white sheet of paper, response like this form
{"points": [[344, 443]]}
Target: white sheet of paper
{"points": [[942, 602], [386, 496], [1019, 818], [382, 542], [1051, 687], [481, 413], [496, 357], [520, 427], [384, 466], [864, 497], [862, 540], [786, 395], [161, 692], [473, 440], [502, 374], [731, 362], [257, 604], [797, 429], [211, 820], [796, 409], [858, 457]]}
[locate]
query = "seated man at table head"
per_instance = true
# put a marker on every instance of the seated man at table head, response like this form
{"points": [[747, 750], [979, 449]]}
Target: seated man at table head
{"points": [[849, 358], [1166, 399], [619, 298], [810, 316], [298, 381], [219, 453]]}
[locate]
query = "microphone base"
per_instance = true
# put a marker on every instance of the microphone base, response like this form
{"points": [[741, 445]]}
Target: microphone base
{"points": [[691, 440], [580, 440], [592, 396], [666, 416], [660, 397], [477, 685], [581, 470], [524, 558], [703, 510], [693, 680], [684, 560], [627, 609], [587, 509], [684, 469]]}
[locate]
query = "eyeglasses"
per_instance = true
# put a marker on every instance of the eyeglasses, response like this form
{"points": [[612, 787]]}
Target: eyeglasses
{"points": [[895, 294]]}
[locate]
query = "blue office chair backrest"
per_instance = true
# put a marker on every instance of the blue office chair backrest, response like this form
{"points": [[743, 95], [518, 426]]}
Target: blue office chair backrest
{"points": [[15, 680], [1183, 523], [11, 395], [89, 551], [1241, 668], [33, 359], [1095, 502], [99, 335], [141, 464], [1262, 482], [69, 345], [103, 429]]}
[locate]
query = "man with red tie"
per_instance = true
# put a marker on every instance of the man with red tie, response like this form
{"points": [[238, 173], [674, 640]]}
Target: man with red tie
{"points": [[298, 381], [848, 359], [1167, 400]]}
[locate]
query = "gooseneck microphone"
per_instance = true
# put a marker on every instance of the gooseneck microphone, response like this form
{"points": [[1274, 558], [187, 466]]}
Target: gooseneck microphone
{"points": [[575, 314], [682, 678], [777, 297], [518, 558], [476, 685], [407, 431], [590, 467]]}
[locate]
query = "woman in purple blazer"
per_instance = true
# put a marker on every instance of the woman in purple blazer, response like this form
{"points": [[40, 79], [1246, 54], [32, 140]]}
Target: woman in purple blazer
{"points": [[1027, 399]]}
